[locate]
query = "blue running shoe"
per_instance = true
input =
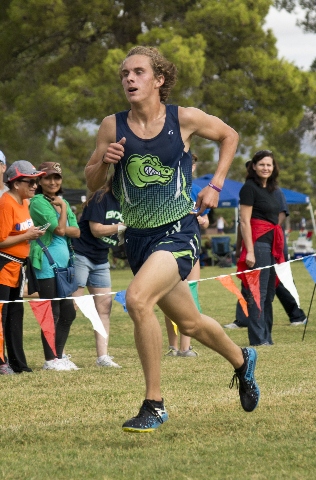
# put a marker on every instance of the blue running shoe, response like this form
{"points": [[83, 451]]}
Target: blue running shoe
{"points": [[149, 418], [249, 392]]}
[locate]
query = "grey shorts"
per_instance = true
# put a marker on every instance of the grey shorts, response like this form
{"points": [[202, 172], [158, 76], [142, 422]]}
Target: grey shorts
{"points": [[91, 274]]}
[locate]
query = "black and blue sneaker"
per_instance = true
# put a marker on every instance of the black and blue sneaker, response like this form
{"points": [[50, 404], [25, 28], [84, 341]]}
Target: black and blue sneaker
{"points": [[249, 392], [151, 415]]}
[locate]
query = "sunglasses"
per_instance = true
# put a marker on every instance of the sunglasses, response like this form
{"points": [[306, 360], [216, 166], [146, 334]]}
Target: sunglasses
{"points": [[31, 182]]}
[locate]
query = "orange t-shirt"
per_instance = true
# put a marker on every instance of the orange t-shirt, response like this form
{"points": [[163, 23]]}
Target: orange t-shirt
{"points": [[15, 219]]}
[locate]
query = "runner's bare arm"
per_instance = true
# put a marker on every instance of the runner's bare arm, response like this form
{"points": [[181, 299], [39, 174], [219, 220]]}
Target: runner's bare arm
{"points": [[195, 122], [107, 151]]}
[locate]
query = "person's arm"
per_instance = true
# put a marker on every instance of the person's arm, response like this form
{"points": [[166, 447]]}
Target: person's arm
{"points": [[238, 243], [72, 232], [195, 122], [246, 231], [282, 217], [60, 230], [31, 234], [107, 151], [99, 230]]}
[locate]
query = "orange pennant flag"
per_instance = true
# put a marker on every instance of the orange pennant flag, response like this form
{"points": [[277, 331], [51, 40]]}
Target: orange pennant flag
{"points": [[1, 334], [228, 283], [44, 315], [254, 285]]}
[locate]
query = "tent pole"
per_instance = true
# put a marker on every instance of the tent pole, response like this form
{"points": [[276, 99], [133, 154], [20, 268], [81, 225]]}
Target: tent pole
{"points": [[312, 216]]}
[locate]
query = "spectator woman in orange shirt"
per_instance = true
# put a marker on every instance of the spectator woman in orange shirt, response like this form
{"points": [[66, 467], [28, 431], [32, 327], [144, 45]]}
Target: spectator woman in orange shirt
{"points": [[16, 232]]}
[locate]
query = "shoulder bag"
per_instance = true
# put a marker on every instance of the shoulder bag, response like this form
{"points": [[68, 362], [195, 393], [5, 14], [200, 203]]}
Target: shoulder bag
{"points": [[65, 277]]}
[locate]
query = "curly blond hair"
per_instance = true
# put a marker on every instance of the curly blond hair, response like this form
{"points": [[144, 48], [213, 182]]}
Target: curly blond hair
{"points": [[161, 67]]}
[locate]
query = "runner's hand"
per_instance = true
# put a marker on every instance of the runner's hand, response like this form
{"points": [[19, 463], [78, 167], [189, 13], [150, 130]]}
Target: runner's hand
{"points": [[207, 198], [114, 152]]}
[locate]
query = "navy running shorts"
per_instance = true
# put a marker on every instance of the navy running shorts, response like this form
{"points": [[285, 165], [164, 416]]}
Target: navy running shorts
{"points": [[182, 238]]}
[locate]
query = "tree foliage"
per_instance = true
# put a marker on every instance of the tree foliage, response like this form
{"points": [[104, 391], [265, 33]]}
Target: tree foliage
{"points": [[309, 6], [60, 60]]}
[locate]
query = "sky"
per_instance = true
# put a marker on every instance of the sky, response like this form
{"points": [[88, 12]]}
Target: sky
{"points": [[292, 43], [295, 46]]}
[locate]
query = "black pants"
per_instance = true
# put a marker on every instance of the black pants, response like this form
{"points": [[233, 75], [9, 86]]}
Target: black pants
{"points": [[64, 314], [287, 300], [12, 325], [289, 304]]}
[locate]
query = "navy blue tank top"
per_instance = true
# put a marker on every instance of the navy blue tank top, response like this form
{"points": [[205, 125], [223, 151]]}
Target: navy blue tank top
{"points": [[153, 180]]}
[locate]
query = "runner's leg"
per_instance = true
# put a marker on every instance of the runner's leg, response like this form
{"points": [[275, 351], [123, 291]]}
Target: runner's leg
{"points": [[158, 281], [155, 279], [180, 307]]}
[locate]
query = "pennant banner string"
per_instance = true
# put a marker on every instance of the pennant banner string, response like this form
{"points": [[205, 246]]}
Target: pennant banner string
{"points": [[191, 281]]}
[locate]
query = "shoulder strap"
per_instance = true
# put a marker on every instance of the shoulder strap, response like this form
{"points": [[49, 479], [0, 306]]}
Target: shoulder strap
{"points": [[45, 250]]}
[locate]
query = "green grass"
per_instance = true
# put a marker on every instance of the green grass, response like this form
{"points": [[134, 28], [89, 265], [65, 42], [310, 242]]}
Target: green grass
{"points": [[67, 425]]}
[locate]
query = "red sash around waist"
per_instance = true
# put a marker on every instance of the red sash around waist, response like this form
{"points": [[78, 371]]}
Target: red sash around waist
{"points": [[259, 228]]}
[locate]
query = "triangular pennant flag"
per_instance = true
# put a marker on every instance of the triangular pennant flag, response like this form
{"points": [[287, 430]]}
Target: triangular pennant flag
{"points": [[194, 291], [44, 315], [284, 272], [228, 283], [254, 285], [175, 327], [120, 298], [310, 265], [87, 306], [1, 334]]}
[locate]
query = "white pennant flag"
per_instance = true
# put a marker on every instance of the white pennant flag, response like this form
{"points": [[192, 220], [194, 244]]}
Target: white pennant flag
{"points": [[87, 306], [284, 273]]}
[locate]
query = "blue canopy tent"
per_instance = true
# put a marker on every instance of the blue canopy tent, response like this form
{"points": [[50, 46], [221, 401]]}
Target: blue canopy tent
{"points": [[229, 196]]}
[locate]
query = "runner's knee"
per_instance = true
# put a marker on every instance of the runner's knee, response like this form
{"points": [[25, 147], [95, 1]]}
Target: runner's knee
{"points": [[189, 329], [137, 304]]}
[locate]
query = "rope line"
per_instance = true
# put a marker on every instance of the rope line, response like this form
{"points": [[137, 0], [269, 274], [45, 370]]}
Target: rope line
{"points": [[25, 300]]}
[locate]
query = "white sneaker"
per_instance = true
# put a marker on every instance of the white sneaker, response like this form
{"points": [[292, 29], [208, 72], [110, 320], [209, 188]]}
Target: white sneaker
{"points": [[303, 322], [68, 363], [232, 326], [106, 361], [55, 364]]}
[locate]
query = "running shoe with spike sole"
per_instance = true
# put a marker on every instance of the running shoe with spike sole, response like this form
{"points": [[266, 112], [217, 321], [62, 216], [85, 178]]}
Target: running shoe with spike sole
{"points": [[249, 392], [148, 419]]}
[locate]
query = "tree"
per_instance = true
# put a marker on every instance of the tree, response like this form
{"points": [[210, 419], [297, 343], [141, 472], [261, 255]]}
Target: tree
{"points": [[309, 22], [61, 57]]}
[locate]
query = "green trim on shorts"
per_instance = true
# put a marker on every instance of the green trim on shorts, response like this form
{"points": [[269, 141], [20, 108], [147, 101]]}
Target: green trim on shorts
{"points": [[184, 253]]}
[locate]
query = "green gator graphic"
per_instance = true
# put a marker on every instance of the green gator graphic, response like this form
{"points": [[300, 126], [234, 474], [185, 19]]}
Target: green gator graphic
{"points": [[147, 170]]}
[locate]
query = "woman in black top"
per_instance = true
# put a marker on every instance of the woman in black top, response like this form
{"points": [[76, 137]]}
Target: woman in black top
{"points": [[262, 241]]}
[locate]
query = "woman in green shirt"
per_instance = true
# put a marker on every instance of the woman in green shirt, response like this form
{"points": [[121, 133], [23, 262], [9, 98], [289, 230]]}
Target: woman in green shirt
{"points": [[48, 207]]}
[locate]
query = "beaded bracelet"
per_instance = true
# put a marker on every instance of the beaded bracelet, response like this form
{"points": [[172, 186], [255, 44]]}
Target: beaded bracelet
{"points": [[215, 188]]}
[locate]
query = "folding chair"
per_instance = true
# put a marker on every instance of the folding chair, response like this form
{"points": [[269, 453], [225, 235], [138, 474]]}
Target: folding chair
{"points": [[221, 251]]}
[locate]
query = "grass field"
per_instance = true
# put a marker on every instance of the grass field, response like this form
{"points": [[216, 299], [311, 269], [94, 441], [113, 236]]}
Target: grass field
{"points": [[67, 425]]}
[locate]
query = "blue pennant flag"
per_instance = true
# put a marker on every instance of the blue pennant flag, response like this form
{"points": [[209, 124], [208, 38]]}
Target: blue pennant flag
{"points": [[120, 298], [310, 265]]}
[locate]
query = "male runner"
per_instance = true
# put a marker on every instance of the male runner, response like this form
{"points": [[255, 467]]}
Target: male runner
{"points": [[150, 147]]}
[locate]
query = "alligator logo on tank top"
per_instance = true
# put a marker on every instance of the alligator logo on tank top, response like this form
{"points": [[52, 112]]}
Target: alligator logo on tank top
{"points": [[147, 170]]}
